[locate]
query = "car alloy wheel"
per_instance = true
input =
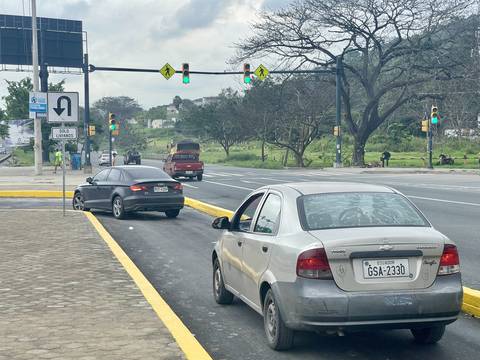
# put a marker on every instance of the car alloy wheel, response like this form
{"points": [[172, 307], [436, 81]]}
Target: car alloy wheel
{"points": [[117, 208], [79, 202]]}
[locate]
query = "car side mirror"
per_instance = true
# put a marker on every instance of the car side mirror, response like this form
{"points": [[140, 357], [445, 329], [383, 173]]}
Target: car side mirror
{"points": [[89, 180], [221, 223]]}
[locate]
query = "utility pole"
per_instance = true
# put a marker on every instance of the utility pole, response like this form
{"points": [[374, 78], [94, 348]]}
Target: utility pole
{"points": [[338, 116], [430, 141], [37, 125], [86, 120]]}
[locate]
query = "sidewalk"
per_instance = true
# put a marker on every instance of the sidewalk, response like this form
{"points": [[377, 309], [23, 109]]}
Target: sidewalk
{"points": [[63, 295], [13, 178]]}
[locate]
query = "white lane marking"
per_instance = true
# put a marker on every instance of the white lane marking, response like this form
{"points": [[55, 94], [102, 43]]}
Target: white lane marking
{"points": [[228, 185], [207, 175], [218, 174], [190, 186], [270, 179], [252, 182], [442, 200]]}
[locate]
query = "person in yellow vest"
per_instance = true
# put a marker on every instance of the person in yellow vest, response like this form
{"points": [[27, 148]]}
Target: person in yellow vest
{"points": [[58, 160]]}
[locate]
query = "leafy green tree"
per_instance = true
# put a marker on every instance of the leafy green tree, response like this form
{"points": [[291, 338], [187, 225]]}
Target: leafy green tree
{"points": [[3, 127], [389, 49], [17, 99]]}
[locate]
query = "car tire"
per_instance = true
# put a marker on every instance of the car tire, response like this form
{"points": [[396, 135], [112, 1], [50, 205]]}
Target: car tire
{"points": [[199, 177], [172, 213], [220, 293], [139, 162], [79, 202], [429, 335], [118, 209], [279, 336]]}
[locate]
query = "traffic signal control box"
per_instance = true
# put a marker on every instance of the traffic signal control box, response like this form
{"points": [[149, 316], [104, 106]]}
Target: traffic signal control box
{"points": [[91, 130], [425, 125], [336, 131]]}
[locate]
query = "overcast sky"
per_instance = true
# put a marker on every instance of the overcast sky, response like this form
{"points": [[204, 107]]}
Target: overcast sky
{"points": [[149, 33]]}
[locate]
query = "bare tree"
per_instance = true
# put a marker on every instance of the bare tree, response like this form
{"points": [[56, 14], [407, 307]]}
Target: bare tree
{"points": [[389, 48], [303, 111]]}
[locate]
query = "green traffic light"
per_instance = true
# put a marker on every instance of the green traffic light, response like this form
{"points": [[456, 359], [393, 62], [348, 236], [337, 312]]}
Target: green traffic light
{"points": [[186, 80], [247, 79], [434, 120]]}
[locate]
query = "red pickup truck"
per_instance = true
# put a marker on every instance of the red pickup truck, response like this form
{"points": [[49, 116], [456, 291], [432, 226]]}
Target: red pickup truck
{"points": [[184, 165]]}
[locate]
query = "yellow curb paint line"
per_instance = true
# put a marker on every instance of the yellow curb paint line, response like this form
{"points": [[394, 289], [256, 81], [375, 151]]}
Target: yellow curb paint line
{"points": [[207, 208], [34, 194], [186, 341], [471, 301], [471, 297]]}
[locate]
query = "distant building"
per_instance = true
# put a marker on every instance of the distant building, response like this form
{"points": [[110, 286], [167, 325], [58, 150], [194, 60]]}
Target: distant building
{"points": [[205, 100], [465, 133], [162, 124]]}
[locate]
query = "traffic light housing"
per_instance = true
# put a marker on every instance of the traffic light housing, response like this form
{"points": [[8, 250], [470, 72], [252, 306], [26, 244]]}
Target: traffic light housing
{"points": [[112, 122], [434, 115], [186, 73], [425, 125], [336, 131], [246, 74]]}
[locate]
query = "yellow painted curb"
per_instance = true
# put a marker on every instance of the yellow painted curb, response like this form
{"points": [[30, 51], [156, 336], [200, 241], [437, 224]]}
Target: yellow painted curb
{"points": [[186, 341], [207, 208], [471, 301], [34, 193]]}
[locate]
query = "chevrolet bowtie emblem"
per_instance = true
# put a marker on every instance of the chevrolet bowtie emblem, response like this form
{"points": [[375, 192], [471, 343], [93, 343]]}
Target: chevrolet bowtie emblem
{"points": [[386, 247]]}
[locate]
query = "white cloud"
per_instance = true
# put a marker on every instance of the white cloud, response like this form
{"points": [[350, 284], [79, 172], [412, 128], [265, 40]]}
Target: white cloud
{"points": [[149, 33]]}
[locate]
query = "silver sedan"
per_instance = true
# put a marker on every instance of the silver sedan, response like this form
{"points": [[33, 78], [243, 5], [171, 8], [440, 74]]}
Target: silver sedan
{"points": [[337, 257]]}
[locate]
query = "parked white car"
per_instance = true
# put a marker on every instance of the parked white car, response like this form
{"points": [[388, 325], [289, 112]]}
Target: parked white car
{"points": [[337, 256]]}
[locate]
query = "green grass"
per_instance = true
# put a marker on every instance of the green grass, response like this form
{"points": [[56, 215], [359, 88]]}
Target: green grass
{"points": [[22, 157], [321, 153]]}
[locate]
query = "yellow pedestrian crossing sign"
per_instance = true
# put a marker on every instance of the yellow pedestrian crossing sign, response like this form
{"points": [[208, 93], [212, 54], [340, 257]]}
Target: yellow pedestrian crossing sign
{"points": [[167, 71], [261, 72]]}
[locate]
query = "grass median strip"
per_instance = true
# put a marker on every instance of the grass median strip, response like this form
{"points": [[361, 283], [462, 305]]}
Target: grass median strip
{"points": [[185, 339]]}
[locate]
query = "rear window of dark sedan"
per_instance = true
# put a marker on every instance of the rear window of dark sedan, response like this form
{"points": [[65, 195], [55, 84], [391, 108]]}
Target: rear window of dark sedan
{"points": [[146, 173], [368, 209]]}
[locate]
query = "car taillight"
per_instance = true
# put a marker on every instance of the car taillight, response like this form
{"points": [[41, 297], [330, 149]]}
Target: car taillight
{"points": [[449, 262], [178, 186], [313, 264], [138, 188]]}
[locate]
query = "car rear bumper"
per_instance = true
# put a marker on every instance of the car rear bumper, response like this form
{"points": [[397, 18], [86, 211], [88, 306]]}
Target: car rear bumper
{"points": [[312, 304], [153, 203], [184, 173]]}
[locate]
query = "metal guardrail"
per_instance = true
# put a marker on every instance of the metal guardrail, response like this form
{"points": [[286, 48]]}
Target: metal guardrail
{"points": [[5, 158]]}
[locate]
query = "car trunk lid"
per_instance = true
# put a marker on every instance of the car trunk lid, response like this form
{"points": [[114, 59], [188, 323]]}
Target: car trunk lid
{"points": [[156, 188], [382, 258]]}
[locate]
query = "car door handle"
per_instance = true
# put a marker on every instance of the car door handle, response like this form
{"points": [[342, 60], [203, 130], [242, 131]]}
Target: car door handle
{"points": [[239, 243], [264, 249]]}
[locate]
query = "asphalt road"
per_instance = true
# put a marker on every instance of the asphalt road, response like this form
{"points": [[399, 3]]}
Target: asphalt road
{"points": [[175, 256], [450, 201]]}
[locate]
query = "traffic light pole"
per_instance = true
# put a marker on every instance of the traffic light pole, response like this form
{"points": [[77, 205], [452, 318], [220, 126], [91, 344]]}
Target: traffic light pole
{"points": [[87, 169], [338, 115], [430, 143], [110, 146]]}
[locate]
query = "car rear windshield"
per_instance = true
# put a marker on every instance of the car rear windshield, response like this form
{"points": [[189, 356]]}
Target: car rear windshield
{"points": [[185, 157], [366, 209], [146, 173]]}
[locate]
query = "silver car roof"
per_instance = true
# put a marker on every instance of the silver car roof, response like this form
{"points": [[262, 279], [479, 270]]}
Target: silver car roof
{"points": [[321, 187]]}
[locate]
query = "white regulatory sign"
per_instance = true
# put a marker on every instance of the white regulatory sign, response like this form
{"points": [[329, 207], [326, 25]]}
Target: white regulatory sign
{"points": [[59, 133], [62, 107]]}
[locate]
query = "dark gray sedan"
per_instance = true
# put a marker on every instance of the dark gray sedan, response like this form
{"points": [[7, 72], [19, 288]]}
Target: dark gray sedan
{"points": [[124, 189]]}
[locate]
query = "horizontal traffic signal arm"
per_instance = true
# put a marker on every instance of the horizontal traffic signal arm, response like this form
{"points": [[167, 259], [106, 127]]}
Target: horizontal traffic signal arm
{"points": [[93, 68]]}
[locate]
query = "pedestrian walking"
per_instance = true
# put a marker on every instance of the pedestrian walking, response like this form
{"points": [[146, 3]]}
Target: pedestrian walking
{"points": [[58, 160], [385, 157]]}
